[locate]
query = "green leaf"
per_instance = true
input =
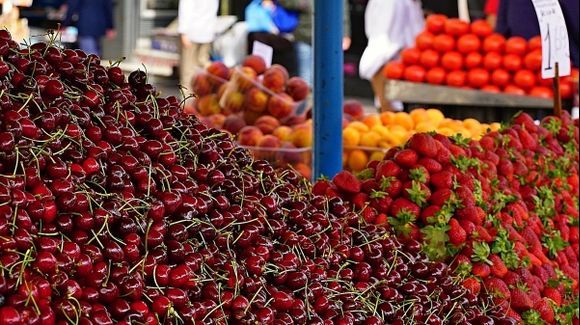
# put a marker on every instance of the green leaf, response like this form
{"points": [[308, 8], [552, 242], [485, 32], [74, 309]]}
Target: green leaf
{"points": [[532, 317], [481, 252], [378, 194], [460, 140], [435, 238], [402, 222], [365, 174], [418, 174], [386, 182], [554, 243], [417, 194]]}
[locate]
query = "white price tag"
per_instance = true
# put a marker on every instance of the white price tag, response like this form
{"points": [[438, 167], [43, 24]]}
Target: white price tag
{"points": [[555, 45], [264, 51]]}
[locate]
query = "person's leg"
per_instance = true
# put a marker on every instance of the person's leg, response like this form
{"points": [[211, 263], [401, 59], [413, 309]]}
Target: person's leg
{"points": [[187, 66], [89, 44], [203, 55], [305, 61], [378, 85]]}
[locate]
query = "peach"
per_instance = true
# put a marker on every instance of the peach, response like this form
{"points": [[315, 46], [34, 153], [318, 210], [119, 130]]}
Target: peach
{"points": [[301, 136], [201, 85], [282, 132], [216, 120], [295, 120], [251, 117], [219, 69], [280, 105], [249, 136], [233, 124], [245, 78], [268, 147], [290, 154], [255, 62], [275, 78], [354, 109], [304, 170], [208, 105], [256, 100], [233, 101], [297, 88], [269, 141], [267, 124]]}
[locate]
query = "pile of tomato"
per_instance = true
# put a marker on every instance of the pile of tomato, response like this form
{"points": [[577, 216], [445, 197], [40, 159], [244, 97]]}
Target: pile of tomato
{"points": [[455, 53]]}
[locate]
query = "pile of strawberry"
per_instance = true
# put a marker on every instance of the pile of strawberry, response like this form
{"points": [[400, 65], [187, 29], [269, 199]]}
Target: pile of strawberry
{"points": [[117, 208], [502, 210]]}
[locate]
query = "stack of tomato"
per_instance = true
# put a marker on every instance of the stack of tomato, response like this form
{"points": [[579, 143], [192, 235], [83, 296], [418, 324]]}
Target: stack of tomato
{"points": [[458, 54]]}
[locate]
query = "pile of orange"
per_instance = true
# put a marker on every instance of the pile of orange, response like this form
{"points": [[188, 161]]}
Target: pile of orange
{"points": [[367, 139]]}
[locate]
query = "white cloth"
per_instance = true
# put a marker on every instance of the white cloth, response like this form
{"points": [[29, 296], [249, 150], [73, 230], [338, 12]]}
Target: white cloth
{"points": [[390, 26], [198, 19]]}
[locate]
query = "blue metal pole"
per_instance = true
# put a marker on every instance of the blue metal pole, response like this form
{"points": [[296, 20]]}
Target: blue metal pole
{"points": [[328, 87]]}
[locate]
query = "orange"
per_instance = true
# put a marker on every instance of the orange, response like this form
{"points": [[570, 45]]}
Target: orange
{"points": [[370, 139], [377, 155], [357, 160], [372, 120], [381, 130], [350, 137], [446, 131], [359, 126], [419, 115], [427, 126], [495, 126], [387, 118], [403, 119], [435, 116]]}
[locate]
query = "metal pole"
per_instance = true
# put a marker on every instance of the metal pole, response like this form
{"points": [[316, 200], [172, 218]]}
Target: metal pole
{"points": [[328, 87]]}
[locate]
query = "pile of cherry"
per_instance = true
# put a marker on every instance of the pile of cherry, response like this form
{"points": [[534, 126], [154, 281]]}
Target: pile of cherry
{"points": [[116, 208], [503, 210]]}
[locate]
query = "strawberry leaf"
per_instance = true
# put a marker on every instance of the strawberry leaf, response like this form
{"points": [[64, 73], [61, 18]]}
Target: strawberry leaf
{"points": [[554, 243], [365, 174], [378, 194], [417, 194], [532, 317], [436, 239], [386, 182], [481, 252], [418, 174]]}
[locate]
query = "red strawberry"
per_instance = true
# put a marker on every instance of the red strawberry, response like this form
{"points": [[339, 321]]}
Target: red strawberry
{"points": [[468, 226], [360, 200], [487, 143], [432, 165], [442, 180], [498, 268], [320, 187], [347, 182], [369, 214], [382, 204], [473, 285], [481, 270], [497, 289], [546, 311], [457, 151], [483, 234], [541, 273], [417, 192], [401, 204], [553, 294], [382, 219], [506, 169], [440, 197], [511, 278], [465, 196], [526, 121], [387, 168], [443, 154], [368, 185], [528, 141], [520, 300], [514, 315], [406, 158], [428, 213], [470, 213], [456, 233], [424, 144], [392, 186]]}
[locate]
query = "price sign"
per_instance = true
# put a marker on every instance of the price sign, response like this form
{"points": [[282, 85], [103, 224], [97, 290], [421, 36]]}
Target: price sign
{"points": [[555, 45]]}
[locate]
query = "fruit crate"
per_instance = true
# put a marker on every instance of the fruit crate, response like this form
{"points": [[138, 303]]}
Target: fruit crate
{"points": [[297, 158], [355, 158]]}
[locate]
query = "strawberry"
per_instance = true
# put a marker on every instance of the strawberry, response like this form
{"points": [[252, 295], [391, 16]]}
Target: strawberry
{"points": [[506, 169], [320, 187], [360, 200], [386, 169], [347, 182], [428, 213], [416, 192], [456, 233], [511, 278], [483, 235], [440, 196], [528, 141], [432, 165], [392, 186], [553, 294], [497, 289], [541, 273], [400, 205], [457, 151], [369, 214], [520, 300], [406, 158], [442, 180], [470, 213], [526, 121], [423, 144], [420, 174], [468, 226], [382, 204], [514, 315], [481, 270], [443, 154], [465, 196], [487, 143], [498, 268], [368, 185], [473, 285], [382, 219], [546, 311]]}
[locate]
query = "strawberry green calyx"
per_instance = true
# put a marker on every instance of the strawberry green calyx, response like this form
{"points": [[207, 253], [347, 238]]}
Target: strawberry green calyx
{"points": [[464, 163], [463, 270], [554, 243], [417, 194], [505, 249], [481, 253], [418, 174], [386, 182], [365, 174], [460, 140], [402, 223], [378, 194], [436, 239], [478, 193], [532, 317]]}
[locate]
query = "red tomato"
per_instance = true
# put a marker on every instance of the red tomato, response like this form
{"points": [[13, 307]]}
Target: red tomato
{"points": [[477, 78], [533, 60], [425, 40], [512, 62], [436, 23], [535, 43], [492, 61], [544, 82], [429, 59], [566, 90], [500, 78], [481, 28], [473, 60], [456, 27], [411, 56], [415, 73], [443, 43], [452, 61], [394, 70], [491, 88], [456, 78], [468, 43], [541, 91], [516, 45], [436, 76], [525, 79], [514, 90], [494, 43]]}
